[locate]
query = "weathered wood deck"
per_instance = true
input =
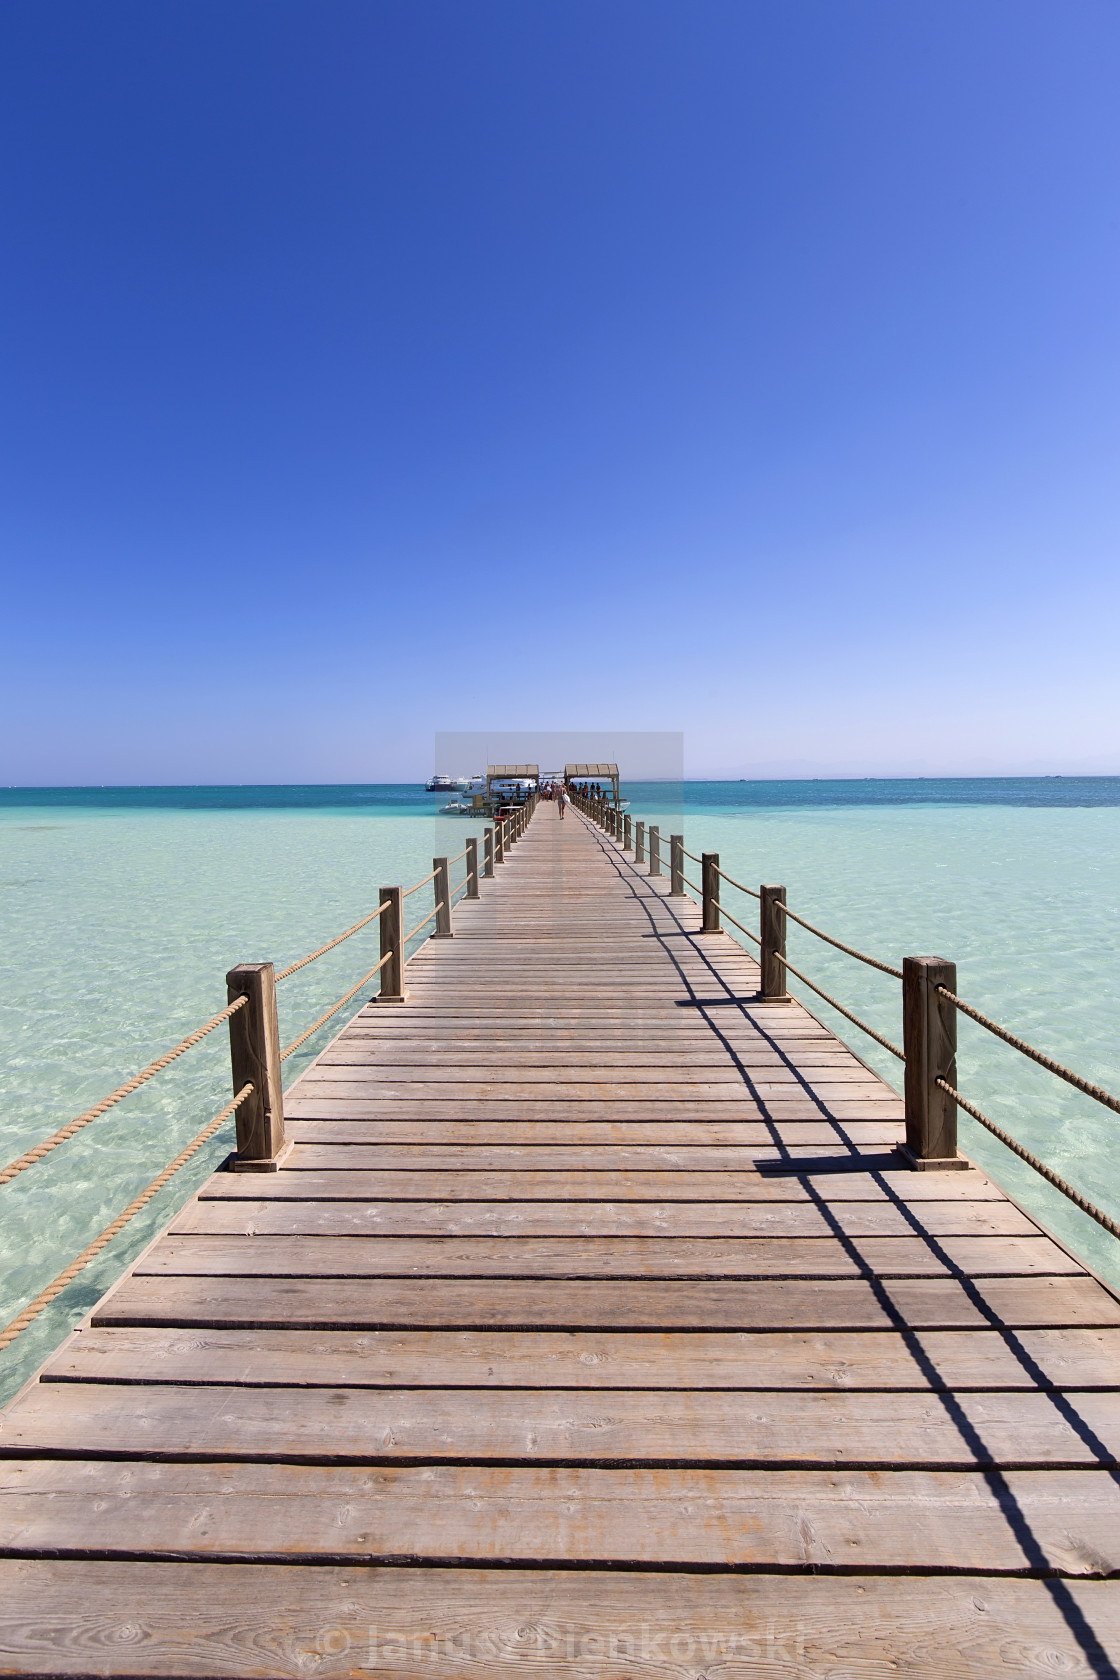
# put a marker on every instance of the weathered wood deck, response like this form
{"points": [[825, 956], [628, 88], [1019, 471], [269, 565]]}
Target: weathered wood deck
{"points": [[591, 1328]]}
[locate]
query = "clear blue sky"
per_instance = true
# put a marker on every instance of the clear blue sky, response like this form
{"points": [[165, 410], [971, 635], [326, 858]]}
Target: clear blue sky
{"points": [[744, 368]]}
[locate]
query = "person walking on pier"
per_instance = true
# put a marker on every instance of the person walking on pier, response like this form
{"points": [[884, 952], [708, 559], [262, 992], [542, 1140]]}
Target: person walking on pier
{"points": [[561, 799]]}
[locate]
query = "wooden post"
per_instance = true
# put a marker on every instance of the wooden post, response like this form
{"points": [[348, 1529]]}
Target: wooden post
{"points": [[392, 946], [655, 851], [472, 868], [676, 865], [929, 1038], [627, 844], [499, 842], [709, 881], [254, 1046], [639, 842], [488, 853], [442, 891], [772, 928]]}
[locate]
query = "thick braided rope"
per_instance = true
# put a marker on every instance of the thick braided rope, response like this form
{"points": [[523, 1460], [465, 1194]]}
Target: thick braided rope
{"points": [[429, 917], [44, 1299], [1040, 1167], [1097, 1092], [732, 882], [850, 950], [862, 1025], [29, 1158], [333, 1010], [726, 916], [293, 968]]}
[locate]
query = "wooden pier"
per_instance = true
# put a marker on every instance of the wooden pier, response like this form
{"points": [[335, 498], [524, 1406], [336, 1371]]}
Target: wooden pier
{"points": [[593, 1326]]}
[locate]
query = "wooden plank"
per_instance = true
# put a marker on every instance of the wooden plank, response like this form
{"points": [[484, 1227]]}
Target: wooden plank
{"points": [[696, 1077], [797, 1121], [235, 1620], [786, 1183], [518, 1089], [599, 1144], [675, 1426], [343, 1184], [547, 1515], [329, 1167], [842, 1360], [762, 1216], [542, 1062], [434, 1303], [660, 1222], [599, 1257]]}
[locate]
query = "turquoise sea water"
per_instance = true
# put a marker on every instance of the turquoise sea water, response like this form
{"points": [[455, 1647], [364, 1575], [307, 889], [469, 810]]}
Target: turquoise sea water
{"points": [[120, 911]]}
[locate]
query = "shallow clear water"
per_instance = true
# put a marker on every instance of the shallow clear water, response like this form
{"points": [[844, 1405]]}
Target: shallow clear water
{"points": [[120, 911]]}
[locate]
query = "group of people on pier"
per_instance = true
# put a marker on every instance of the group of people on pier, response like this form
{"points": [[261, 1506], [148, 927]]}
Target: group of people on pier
{"points": [[558, 792]]}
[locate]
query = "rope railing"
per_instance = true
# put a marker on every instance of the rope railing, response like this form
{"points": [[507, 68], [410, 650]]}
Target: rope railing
{"points": [[333, 1010], [408, 892], [424, 923], [850, 950], [64, 1133], [1040, 1167], [728, 878], [1097, 1092], [30, 1156], [725, 915], [847, 1014], [293, 968], [33, 1308]]}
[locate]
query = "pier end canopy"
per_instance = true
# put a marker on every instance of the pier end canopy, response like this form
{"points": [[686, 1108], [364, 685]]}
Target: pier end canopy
{"points": [[511, 773], [593, 773]]}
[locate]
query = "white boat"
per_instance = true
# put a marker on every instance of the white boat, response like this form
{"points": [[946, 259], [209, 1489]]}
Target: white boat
{"points": [[441, 784], [470, 800]]}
